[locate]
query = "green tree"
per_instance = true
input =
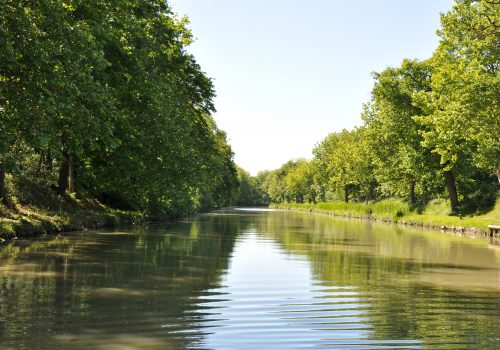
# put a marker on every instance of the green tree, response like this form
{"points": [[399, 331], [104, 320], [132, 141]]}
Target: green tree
{"points": [[461, 112], [344, 163], [250, 192], [394, 136], [275, 183], [106, 92], [300, 182]]}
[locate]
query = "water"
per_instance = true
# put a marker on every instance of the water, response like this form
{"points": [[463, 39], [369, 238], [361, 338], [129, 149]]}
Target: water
{"points": [[251, 279]]}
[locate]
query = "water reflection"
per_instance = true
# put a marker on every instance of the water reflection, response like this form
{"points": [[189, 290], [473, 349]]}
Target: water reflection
{"points": [[251, 279], [106, 289]]}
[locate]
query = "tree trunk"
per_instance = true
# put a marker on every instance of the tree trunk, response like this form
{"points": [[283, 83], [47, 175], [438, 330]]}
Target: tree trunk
{"points": [[452, 189], [322, 194], [39, 165], [48, 161], [63, 181], [372, 191], [346, 193], [71, 174], [67, 174], [412, 193], [3, 188]]}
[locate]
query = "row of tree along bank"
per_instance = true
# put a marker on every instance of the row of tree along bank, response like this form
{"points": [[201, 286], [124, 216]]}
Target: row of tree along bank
{"points": [[430, 130], [99, 99]]}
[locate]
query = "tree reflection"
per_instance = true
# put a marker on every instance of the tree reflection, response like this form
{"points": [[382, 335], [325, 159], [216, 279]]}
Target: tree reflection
{"points": [[139, 283], [437, 288]]}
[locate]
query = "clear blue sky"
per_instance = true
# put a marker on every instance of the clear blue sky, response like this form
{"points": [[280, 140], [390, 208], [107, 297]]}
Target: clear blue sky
{"points": [[289, 72]]}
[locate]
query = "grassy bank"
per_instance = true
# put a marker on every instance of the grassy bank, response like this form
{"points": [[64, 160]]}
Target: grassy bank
{"points": [[436, 214], [37, 209]]}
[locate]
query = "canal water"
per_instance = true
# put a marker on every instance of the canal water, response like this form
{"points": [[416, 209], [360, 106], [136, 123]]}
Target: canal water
{"points": [[251, 279]]}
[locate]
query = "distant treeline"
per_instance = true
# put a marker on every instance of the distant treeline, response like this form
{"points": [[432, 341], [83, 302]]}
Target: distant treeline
{"points": [[101, 98], [431, 128]]}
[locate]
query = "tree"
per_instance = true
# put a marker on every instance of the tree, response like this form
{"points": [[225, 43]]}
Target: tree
{"points": [[322, 171], [394, 136], [300, 182], [275, 183], [461, 112], [250, 192], [343, 162], [106, 91], [361, 160], [24, 58]]}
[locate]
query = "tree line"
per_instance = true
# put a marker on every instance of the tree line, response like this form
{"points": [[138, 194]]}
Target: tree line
{"points": [[430, 129], [102, 98]]}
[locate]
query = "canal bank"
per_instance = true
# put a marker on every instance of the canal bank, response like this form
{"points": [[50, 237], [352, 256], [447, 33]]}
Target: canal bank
{"points": [[393, 211], [35, 210]]}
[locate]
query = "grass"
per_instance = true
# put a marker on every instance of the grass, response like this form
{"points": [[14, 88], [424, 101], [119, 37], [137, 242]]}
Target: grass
{"points": [[436, 213], [384, 210], [39, 210]]}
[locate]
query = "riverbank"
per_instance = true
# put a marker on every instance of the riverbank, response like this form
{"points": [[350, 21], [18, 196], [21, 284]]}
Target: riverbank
{"points": [[435, 215], [37, 210]]}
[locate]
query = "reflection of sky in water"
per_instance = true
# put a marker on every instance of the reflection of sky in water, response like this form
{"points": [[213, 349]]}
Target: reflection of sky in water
{"points": [[255, 209], [269, 299]]}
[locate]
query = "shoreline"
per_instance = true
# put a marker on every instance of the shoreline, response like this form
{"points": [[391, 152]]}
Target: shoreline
{"points": [[62, 222], [465, 231], [31, 225], [67, 222]]}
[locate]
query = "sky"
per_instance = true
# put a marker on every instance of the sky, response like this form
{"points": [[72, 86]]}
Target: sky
{"points": [[287, 72]]}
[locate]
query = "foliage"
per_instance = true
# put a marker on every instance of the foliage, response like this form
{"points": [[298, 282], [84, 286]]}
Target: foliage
{"points": [[299, 182], [103, 99], [462, 108], [393, 135], [250, 193]]}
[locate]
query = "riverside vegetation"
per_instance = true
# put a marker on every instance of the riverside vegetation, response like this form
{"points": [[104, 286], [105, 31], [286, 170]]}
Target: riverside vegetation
{"points": [[431, 131], [104, 115]]}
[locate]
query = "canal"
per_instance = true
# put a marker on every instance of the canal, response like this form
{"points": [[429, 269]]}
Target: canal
{"points": [[251, 279]]}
